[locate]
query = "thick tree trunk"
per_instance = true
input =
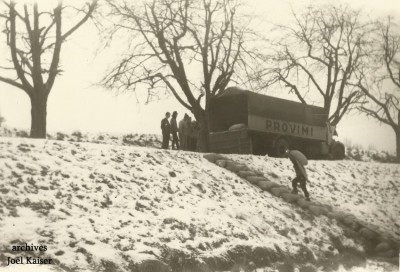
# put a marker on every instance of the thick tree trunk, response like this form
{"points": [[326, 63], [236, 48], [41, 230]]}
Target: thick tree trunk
{"points": [[38, 115], [398, 144], [203, 139], [327, 108], [398, 137]]}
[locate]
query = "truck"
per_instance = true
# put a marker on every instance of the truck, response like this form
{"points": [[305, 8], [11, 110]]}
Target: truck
{"points": [[244, 122]]}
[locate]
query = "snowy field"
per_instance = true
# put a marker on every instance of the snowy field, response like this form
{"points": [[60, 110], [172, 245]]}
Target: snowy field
{"points": [[110, 207]]}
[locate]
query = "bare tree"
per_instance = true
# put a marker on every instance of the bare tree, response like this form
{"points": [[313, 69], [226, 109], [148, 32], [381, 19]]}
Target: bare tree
{"points": [[34, 39], [381, 82], [318, 55], [192, 48]]}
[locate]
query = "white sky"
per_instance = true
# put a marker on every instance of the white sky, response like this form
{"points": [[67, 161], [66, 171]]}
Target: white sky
{"points": [[75, 103]]}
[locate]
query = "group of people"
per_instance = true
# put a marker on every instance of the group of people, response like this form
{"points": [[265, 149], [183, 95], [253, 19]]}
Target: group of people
{"points": [[184, 135]]}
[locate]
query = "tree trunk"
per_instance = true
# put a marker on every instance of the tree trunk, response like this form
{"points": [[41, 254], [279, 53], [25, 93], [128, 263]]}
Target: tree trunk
{"points": [[398, 137], [203, 137], [398, 144], [38, 115], [327, 108]]}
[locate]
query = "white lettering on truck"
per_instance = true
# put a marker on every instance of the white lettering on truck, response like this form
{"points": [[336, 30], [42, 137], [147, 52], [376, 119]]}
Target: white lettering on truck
{"points": [[301, 130], [292, 128]]}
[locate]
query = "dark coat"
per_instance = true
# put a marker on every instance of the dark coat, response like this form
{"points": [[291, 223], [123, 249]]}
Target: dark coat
{"points": [[174, 126], [165, 126]]}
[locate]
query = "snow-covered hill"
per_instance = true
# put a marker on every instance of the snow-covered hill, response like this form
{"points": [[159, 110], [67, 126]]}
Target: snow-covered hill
{"points": [[108, 207], [370, 191]]}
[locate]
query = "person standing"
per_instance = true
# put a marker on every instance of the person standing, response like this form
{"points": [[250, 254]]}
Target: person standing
{"points": [[166, 130], [299, 160], [188, 133], [195, 128], [182, 129], [174, 131]]}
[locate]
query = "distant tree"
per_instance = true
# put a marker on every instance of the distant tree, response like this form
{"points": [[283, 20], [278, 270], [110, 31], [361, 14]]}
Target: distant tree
{"points": [[380, 83], [34, 39], [317, 56], [192, 48]]}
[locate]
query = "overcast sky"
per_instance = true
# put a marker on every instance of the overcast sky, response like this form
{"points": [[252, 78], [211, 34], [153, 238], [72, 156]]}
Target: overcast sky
{"points": [[76, 103]]}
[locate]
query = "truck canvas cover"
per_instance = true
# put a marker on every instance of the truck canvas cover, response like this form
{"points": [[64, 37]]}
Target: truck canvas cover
{"points": [[266, 113]]}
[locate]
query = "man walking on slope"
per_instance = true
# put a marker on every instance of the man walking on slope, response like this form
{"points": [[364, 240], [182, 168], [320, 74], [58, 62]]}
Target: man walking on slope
{"points": [[174, 131], [166, 130], [299, 160]]}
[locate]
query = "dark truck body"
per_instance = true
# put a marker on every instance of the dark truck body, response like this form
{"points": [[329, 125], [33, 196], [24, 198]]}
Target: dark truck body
{"points": [[270, 125]]}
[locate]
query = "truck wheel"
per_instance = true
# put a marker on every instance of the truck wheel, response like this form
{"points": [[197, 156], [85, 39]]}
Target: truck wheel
{"points": [[338, 152], [280, 147]]}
